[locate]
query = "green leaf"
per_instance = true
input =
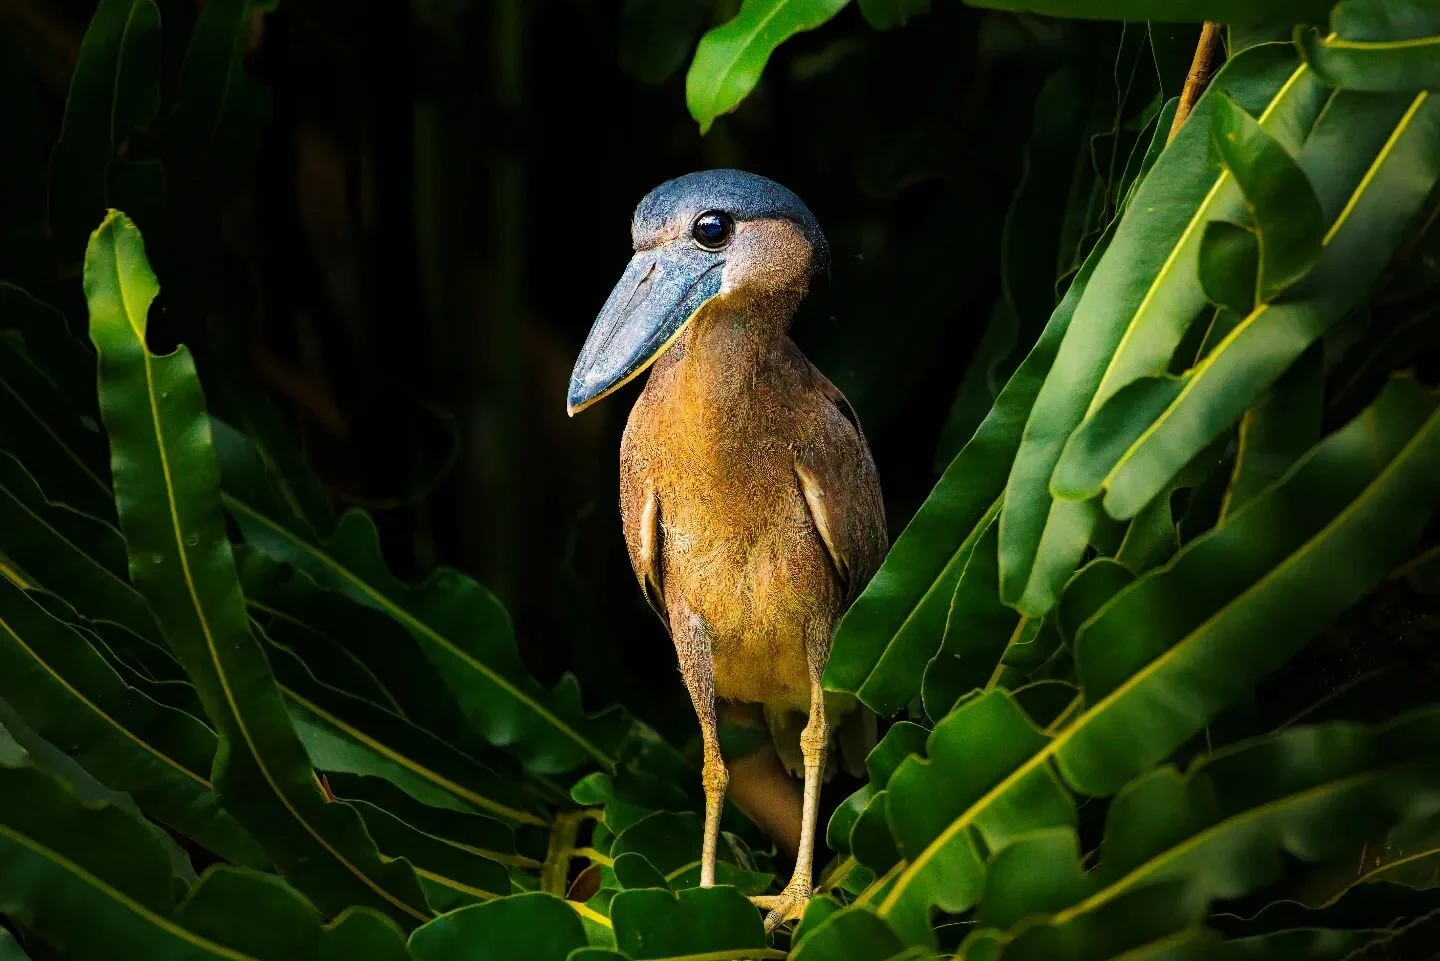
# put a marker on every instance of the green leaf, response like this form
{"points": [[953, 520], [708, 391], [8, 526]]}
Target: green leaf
{"points": [[1168, 652], [451, 876], [730, 58], [479, 834], [670, 841], [941, 811], [463, 631], [522, 927], [114, 92], [976, 631], [1190, 11], [1152, 923], [853, 934], [1377, 46], [1229, 265], [1090, 589], [1144, 293], [69, 696], [887, 14], [1153, 535], [1278, 197], [346, 734], [168, 492], [654, 925], [1223, 828], [61, 860], [10, 949], [65, 550], [1383, 155], [20, 744], [889, 634], [1277, 431]]}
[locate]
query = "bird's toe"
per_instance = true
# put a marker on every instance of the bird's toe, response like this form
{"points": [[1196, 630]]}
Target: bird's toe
{"points": [[789, 905]]}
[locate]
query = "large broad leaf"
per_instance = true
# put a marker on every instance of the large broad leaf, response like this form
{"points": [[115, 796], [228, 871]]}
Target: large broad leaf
{"points": [[69, 695], [168, 492], [114, 91], [655, 925], [1224, 11], [61, 860], [1377, 46], [1374, 159], [1167, 653], [893, 629], [1222, 828], [1136, 307], [463, 631], [524, 927], [731, 57]]}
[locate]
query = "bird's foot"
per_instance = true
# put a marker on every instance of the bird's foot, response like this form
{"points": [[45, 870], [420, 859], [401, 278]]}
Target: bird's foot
{"points": [[788, 905]]}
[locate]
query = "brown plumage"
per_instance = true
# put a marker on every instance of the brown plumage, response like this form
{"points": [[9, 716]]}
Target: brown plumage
{"points": [[750, 502]]}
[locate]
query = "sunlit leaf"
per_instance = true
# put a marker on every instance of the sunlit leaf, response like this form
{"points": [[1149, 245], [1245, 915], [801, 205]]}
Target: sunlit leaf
{"points": [[731, 57]]}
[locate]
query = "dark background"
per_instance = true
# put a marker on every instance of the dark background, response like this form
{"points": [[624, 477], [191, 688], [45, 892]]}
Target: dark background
{"points": [[410, 250]]}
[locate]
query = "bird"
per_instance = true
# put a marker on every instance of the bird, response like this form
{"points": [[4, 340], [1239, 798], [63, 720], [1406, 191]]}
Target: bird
{"points": [[749, 498]]}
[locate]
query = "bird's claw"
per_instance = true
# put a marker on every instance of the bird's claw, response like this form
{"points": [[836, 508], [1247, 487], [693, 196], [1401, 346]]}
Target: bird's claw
{"points": [[788, 905]]}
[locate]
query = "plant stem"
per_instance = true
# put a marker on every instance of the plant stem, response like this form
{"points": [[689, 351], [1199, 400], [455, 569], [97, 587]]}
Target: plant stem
{"points": [[1198, 77]]}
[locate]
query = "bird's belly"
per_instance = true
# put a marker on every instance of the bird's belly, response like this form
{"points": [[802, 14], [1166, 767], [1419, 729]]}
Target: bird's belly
{"points": [[762, 591]]}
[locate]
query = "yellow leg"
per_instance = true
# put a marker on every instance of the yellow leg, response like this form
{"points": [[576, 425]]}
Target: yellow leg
{"points": [[692, 645], [814, 740]]}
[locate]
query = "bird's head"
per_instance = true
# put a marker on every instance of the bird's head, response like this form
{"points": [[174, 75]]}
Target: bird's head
{"points": [[703, 237]]}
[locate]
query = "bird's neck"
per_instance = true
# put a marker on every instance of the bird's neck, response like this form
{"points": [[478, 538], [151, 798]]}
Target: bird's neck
{"points": [[715, 379], [729, 345]]}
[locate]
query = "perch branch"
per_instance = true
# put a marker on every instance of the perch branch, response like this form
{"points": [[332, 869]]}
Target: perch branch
{"points": [[1195, 81]]}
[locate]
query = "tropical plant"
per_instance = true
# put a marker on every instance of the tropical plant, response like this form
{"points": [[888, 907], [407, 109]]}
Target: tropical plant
{"points": [[1199, 436]]}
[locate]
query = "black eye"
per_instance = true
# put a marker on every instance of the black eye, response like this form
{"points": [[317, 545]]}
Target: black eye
{"points": [[713, 229]]}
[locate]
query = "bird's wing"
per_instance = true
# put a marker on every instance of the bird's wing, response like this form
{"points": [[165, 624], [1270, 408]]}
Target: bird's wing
{"points": [[640, 516], [842, 490]]}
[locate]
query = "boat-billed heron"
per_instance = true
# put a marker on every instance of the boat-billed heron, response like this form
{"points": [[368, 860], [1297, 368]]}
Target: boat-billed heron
{"points": [[749, 498]]}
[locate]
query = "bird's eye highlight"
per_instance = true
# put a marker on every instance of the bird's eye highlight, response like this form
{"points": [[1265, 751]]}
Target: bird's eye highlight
{"points": [[712, 229]]}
